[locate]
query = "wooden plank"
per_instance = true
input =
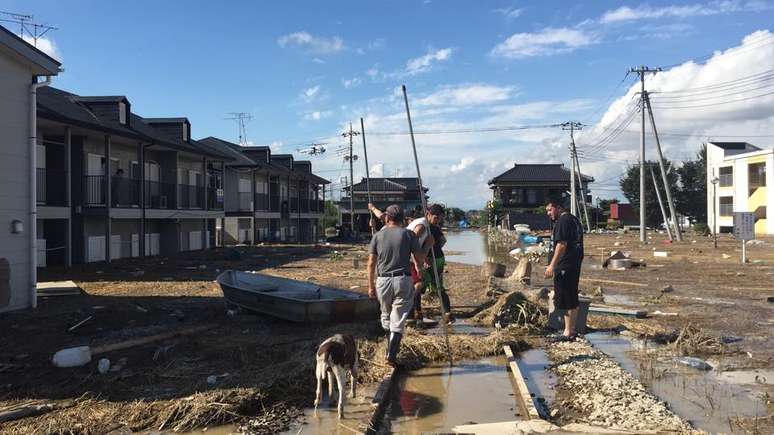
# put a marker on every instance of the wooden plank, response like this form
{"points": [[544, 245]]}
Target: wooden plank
{"points": [[381, 400], [596, 309], [146, 340], [524, 395], [610, 281]]}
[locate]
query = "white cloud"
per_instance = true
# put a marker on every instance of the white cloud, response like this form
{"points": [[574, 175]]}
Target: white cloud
{"points": [[351, 83], [276, 146], [682, 125], [626, 13], [318, 60], [509, 12], [309, 94], [377, 170], [546, 42], [425, 63], [313, 44], [45, 45], [466, 95], [464, 163], [317, 115]]}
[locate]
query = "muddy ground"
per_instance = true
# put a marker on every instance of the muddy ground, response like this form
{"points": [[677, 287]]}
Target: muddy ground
{"points": [[263, 367]]}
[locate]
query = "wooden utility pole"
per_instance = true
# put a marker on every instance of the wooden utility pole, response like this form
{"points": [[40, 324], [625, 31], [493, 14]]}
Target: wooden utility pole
{"points": [[641, 71], [351, 157], [576, 175], [667, 186], [660, 204], [368, 176]]}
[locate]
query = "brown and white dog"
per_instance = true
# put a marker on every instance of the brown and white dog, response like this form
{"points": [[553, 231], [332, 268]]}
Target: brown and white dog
{"points": [[337, 355]]}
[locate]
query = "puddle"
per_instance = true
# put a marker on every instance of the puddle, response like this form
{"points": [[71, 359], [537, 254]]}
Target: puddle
{"points": [[620, 300], [357, 411], [470, 247], [460, 327], [540, 381], [439, 397], [707, 399]]}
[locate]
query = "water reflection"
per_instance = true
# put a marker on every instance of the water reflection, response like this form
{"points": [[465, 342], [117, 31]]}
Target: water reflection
{"points": [[470, 247]]}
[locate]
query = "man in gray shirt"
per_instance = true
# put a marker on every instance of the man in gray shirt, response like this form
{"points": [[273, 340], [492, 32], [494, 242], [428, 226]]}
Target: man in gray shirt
{"points": [[389, 275]]}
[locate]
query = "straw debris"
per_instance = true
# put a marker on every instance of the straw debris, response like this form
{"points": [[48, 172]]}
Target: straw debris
{"points": [[692, 340], [514, 309]]}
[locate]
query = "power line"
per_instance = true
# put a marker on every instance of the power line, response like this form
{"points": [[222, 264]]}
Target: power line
{"points": [[466, 130]]}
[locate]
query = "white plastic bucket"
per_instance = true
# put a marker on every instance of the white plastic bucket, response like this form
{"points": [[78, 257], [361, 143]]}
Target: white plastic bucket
{"points": [[72, 357]]}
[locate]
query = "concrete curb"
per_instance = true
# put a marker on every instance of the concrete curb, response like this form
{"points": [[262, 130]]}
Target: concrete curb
{"points": [[525, 397], [381, 400]]}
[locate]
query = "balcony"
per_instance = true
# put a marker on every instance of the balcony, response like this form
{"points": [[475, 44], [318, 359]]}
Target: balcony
{"points": [[294, 205], [304, 205], [124, 192], [214, 198], [94, 187], [245, 201], [51, 187], [190, 196], [159, 195], [261, 202], [274, 203]]}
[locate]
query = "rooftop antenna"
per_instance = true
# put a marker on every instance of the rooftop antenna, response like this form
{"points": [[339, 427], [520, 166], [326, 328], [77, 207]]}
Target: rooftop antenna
{"points": [[241, 118], [314, 149], [26, 26]]}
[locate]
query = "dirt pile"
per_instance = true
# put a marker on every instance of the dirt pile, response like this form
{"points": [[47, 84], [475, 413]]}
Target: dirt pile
{"points": [[594, 389]]}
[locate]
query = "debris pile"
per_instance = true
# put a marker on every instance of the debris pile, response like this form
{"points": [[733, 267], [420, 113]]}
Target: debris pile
{"points": [[596, 389], [692, 340], [513, 309]]}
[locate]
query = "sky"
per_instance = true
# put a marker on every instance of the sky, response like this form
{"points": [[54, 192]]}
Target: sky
{"points": [[305, 70]]}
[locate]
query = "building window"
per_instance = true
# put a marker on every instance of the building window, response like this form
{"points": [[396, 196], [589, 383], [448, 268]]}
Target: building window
{"points": [[531, 196], [726, 206], [726, 176], [756, 176], [122, 113]]}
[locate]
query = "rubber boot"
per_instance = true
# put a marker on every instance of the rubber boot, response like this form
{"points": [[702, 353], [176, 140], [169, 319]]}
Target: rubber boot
{"points": [[393, 347]]}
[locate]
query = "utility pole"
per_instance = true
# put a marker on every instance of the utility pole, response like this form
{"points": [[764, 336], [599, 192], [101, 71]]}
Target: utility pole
{"points": [[351, 157], [714, 211], [641, 71], [368, 178], [667, 186], [575, 174], [660, 204]]}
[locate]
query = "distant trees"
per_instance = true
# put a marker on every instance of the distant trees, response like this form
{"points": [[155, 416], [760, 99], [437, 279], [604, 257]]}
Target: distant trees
{"points": [[689, 188]]}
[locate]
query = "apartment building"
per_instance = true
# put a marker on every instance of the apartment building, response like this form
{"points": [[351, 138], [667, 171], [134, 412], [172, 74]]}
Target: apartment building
{"points": [[21, 67], [269, 197], [112, 184], [402, 191], [742, 173]]}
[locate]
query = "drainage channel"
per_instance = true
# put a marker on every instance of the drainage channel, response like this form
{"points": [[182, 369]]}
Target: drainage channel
{"points": [[709, 400]]}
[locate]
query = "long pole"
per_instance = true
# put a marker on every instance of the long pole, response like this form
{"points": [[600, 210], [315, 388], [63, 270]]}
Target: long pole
{"points": [[573, 199], [424, 209], [661, 204], [351, 186], [368, 176], [667, 186], [643, 223], [583, 189], [714, 211]]}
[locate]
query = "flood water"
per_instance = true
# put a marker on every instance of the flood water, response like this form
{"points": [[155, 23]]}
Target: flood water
{"points": [[325, 421], [707, 399], [439, 397], [470, 247]]}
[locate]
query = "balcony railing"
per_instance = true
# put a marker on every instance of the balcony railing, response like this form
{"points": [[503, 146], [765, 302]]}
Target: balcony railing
{"points": [[274, 204], [245, 201], [190, 196], [124, 192], [294, 205], [51, 187], [304, 205], [214, 198], [261, 202], [159, 195], [94, 188]]}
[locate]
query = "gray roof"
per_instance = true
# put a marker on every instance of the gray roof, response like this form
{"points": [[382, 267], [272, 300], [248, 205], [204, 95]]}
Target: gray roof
{"points": [[537, 173], [390, 184], [42, 63], [225, 147]]}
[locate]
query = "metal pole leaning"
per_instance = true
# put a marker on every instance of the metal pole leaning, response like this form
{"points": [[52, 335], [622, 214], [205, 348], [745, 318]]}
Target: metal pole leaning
{"points": [[424, 209], [660, 203], [368, 175]]}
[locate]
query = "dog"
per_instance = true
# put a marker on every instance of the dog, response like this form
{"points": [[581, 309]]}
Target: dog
{"points": [[335, 357]]}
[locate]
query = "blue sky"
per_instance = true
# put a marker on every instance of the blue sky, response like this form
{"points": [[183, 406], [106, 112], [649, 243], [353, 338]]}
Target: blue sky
{"points": [[305, 69]]}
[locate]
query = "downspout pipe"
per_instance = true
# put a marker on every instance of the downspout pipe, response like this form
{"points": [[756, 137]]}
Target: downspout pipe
{"points": [[33, 231]]}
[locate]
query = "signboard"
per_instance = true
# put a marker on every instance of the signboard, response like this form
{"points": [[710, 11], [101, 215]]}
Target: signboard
{"points": [[219, 196], [744, 225]]}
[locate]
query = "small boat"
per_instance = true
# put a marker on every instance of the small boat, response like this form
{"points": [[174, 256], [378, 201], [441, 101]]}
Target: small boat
{"points": [[296, 301]]}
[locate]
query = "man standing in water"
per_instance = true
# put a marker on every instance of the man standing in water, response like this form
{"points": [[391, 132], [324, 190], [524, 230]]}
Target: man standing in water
{"points": [[389, 276], [565, 266]]}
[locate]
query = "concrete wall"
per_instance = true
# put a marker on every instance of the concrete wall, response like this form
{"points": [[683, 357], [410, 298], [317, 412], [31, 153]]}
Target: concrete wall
{"points": [[14, 181]]}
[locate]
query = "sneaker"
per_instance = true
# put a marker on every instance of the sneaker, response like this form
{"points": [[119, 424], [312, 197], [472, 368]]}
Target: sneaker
{"points": [[561, 338]]}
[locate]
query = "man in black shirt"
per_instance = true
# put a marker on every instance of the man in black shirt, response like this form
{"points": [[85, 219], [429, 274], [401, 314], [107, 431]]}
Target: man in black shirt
{"points": [[566, 264]]}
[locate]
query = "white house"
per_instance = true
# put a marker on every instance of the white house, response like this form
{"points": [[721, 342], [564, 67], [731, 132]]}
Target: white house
{"points": [[21, 65], [743, 174]]}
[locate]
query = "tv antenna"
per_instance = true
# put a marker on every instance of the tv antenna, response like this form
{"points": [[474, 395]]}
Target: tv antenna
{"points": [[314, 149], [26, 25], [241, 118]]}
